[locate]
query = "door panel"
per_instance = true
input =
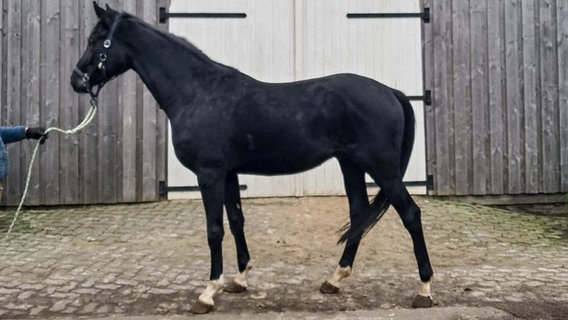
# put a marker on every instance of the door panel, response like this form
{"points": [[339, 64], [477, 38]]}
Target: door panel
{"points": [[286, 40]]}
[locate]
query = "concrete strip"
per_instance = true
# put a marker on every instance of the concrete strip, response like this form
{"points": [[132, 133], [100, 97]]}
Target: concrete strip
{"points": [[441, 313]]}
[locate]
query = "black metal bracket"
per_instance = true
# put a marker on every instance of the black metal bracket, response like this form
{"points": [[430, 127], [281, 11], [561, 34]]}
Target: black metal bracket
{"points": [[162, 189], [424, 15], [430, 182], [427, 98], [165, 15]]}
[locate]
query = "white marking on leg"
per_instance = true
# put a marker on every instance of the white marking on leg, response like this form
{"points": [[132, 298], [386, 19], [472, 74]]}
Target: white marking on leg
{"points": [[424, 289], [212, 289], [339, 274], [241, 278]]}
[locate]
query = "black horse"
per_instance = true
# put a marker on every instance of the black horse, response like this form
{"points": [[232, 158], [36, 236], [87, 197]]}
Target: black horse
{"points": [[225, 123]]}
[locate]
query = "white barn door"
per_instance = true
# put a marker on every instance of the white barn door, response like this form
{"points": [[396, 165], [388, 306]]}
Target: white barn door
{"points": [[287, 40]]}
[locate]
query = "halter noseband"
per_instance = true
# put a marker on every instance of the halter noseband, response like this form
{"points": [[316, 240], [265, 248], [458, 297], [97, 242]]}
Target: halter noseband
{"points": [[101, 65]]}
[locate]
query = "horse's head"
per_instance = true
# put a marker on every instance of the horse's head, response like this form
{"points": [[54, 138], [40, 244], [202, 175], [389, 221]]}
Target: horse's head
{"points": [[105, 56]]}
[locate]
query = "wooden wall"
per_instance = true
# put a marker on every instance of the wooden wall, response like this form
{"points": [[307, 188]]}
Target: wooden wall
{"points": [[120, 156], [498, 70]]}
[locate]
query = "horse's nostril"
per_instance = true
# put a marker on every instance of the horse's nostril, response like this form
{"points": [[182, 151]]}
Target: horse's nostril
{"points": [[78, 84]]}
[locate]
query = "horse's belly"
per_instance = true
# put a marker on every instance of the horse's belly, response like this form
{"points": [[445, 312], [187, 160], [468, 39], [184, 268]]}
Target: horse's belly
{"points": [[281, 165]]}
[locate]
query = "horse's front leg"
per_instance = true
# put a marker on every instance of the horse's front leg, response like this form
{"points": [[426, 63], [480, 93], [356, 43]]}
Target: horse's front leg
{"points": [[236, 222], [212, 186]]}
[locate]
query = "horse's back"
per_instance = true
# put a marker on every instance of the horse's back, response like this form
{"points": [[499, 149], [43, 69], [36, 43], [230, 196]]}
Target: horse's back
{"points": [[312, 120], [356, 106]]}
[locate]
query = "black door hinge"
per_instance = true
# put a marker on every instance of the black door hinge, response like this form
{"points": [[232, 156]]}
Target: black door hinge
{"points": [[164, 15], [424, 15]]}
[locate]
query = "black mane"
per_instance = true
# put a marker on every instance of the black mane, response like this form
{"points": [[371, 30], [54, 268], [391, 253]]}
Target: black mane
{"points": [[182, 44]]}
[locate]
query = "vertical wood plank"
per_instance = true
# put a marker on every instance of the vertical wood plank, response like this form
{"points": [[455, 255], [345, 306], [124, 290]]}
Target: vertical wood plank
{"points": [[128, 108], [119, 122], [107, 131], [513, 38], [50, 93], [30, 104], [462, 97], [3, 34], [530, 89], [88, 139], [69, 104], [428, 81], [443, 98], [549, 98], [496, 91], [562, 40], [148, 118], [3, 78], [479, 98], [13, 116]]}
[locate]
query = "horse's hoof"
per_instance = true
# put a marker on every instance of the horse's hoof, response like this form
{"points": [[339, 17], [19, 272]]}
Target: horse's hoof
{"points": [[328, 288], [422, 302], [233, 287], [201, 308]]}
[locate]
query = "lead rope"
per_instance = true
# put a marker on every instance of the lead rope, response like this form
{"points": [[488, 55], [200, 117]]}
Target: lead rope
{"points": [[88, 118]]}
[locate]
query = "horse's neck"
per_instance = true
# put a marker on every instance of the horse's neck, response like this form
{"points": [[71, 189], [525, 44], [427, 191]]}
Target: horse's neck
{"points": [[171, 72]]}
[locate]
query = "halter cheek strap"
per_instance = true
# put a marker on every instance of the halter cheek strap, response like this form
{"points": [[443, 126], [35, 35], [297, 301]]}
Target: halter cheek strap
{"points": [[108, 40], [101, 65]]}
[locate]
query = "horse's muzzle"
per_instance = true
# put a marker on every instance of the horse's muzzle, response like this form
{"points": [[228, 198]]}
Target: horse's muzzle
{"points": [[79, 84]]}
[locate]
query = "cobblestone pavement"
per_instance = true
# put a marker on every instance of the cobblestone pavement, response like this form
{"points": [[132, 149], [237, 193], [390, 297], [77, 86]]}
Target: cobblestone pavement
{"points": [[152, 259]]}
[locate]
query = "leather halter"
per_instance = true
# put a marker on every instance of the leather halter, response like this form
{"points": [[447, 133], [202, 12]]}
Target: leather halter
{"points": [[101, 65]]}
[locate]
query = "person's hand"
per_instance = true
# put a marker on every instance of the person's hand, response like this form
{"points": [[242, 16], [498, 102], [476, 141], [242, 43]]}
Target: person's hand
{"points": [[36, 133]]}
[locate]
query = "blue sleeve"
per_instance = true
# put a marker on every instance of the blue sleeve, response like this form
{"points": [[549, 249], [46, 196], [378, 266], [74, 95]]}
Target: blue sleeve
{"points": [[12, 134]]}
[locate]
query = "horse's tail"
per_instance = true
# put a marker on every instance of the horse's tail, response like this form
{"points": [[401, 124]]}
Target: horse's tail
{"points": [[381, 203], [409, 127]]}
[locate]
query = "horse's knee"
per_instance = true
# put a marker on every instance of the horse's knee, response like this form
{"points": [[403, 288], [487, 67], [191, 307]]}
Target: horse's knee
{"points": [[215, 235]]}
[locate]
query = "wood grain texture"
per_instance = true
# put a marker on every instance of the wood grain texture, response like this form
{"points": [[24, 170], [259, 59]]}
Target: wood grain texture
{"points": [[562, 40], [40, 43], [502, 104]]}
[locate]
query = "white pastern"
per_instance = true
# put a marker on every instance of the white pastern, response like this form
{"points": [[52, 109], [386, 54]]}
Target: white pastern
{"points": [[424, 289], [339, 274], [241, 278], [212, 289]]}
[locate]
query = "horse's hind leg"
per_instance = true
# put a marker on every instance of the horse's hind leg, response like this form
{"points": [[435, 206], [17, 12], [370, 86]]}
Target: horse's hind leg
{"points": [[236, 223], [409, 212], [356, 190]]}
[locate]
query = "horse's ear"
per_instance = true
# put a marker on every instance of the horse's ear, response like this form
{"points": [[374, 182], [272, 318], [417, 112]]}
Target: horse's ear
{"points": [[109, 9], [106, 16], [101, 13]]}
